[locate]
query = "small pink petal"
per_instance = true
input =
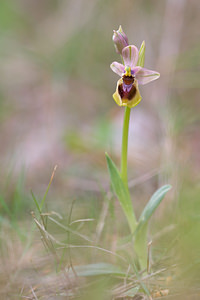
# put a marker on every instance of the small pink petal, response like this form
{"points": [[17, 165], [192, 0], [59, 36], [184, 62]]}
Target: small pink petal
{"points": [[144, 75], [130, 56], [117, 68]]}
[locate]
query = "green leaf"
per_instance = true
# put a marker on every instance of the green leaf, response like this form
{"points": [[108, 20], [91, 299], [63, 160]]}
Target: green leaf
{"points": [[141, 58], [153, 204], [140, 244], [96, 270], [122, 193]]}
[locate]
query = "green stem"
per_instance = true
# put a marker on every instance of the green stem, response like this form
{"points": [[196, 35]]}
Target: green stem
{"points": [[124, 176], [140, 247], [124, 152]]}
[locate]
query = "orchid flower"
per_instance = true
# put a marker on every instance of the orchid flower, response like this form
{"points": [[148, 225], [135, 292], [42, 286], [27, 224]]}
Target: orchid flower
{"points": [[132, 73], [127, 92]]}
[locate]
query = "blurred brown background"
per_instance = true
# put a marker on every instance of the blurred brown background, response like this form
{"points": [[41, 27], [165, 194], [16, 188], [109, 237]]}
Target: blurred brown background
{"points": [[56, 108], [56, 88]]}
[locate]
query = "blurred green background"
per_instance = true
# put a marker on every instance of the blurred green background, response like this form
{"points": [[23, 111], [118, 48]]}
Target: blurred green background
{"points": [[56, 108]]}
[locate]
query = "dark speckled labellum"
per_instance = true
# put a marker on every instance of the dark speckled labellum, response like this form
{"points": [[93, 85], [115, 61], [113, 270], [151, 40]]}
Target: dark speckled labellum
{"points": [[127, 92], [127, 89]]}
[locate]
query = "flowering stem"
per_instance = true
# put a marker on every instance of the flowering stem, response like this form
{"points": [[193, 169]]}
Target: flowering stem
{"points": [[125, 146]]}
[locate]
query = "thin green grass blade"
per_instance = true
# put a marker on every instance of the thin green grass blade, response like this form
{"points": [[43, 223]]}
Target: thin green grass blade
{"points": [[121, 193], [97, 270], [68, 229], [36, 202], [13, 220], [47, 190], [39, 209], [5, 206], [131, 292], [142, 284]]}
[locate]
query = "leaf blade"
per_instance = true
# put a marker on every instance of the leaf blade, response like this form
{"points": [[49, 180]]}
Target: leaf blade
{"points": [[140, 243], [154, 202], [121, 193]]}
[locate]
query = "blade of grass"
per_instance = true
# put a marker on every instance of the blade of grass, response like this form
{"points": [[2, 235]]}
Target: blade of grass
{"points": [[67, 228], [47, 190], [5, 206], [36, 202]]}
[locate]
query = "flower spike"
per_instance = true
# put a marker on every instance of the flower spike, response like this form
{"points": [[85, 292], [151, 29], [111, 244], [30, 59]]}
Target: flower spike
{"points": [[132, 72]]}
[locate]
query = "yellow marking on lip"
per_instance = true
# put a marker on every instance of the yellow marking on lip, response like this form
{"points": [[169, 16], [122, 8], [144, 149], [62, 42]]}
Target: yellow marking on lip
{"points": [[128, 71]]}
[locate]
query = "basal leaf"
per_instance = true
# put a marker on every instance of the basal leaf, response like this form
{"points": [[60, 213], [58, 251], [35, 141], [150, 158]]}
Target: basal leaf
{"points": [[153, 203], [140, 244], [122, 193]]}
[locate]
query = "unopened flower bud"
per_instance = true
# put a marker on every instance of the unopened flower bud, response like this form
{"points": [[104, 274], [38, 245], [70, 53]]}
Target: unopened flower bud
{"points": [[120, 40]]}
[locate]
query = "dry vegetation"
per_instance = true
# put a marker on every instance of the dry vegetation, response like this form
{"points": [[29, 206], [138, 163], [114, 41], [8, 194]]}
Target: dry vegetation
{"points": [[56, 108]]}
